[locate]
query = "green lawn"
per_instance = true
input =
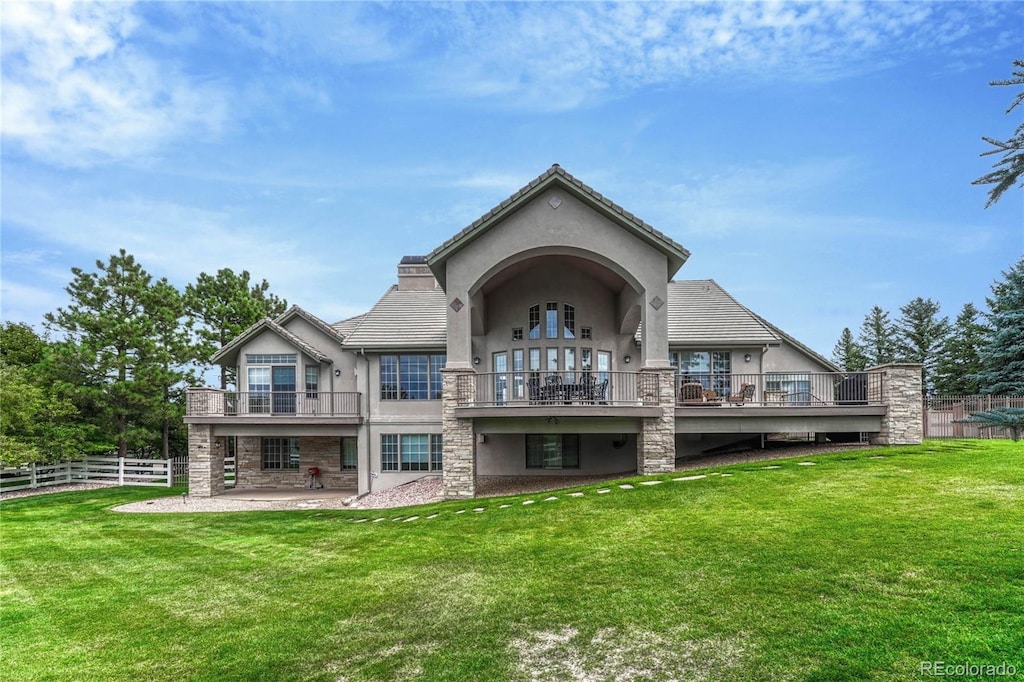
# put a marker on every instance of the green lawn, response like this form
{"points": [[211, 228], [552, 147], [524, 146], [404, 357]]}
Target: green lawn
{"points": [[860, 567]]}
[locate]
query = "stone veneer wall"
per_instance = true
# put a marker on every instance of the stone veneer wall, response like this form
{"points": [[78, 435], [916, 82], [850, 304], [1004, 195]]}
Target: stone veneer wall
{"points": [[314, 451], [899, 389], [656, 446], [458, 479], [205, 461]]}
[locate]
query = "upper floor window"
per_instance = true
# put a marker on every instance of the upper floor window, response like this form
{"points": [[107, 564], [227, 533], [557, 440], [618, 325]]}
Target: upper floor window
{"points": [[411, 377], [271, 358], [552, 328]]}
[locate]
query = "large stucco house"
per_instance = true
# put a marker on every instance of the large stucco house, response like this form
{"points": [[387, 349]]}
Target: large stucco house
{"points": [[549, 336]]}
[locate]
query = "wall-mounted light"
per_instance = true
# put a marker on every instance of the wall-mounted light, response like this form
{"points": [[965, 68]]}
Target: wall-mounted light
{"points": [[337, 372], [476, 360], [746, 358], [627, 359]]}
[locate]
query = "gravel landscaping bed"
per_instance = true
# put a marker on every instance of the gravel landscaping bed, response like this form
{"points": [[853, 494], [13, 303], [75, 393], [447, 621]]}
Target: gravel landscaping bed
{"points": [[63, 488]]}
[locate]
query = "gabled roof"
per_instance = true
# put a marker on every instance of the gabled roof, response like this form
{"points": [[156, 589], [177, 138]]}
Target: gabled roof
{"points": [[556, 176], [402, 318], [296, 311], [230, 349]]}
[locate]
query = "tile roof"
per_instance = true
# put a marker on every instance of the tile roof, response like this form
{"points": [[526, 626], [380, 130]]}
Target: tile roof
{"points": [[700, 311], [348, 325], [557, 174], [413, 318]]}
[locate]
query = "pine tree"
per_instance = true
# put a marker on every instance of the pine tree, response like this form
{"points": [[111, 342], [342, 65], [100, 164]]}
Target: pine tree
{"points": [[226, 305], [171, 351], [848, 354], [956, 372], [1010, 168], [111, 320], [920, 333], [1002, 356], [876, 338]]}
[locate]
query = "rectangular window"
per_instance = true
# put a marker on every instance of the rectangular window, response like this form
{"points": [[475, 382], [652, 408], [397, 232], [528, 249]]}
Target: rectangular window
{"points": [[570, 364], [411, 452], [389, 452], [312, 380], [586, 359], [436, 451], [534, 321], [415, 453], [586, 333], [437, 363], [553, 451], [711, 369], [271, 358], [411, 377], [259, 390], [552, 359], [551, 321], [535, 359], [795, 387], [389, 377], [517, 372], [281, 453], [349, 453], [517, 333]]}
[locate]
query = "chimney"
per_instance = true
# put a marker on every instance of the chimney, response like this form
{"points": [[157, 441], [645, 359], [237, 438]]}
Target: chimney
{"points": [[414, 274]]}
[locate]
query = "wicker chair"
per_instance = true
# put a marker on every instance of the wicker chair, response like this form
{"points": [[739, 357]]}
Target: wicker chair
{"points": [[744, 395]]}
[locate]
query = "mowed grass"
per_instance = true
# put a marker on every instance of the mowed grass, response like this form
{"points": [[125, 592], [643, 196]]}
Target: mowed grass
{"points": [[859, 567]]}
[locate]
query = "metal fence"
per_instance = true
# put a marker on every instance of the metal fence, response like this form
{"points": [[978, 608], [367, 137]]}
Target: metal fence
{"points": [[513, 389], [943, 415], [205, 402]]}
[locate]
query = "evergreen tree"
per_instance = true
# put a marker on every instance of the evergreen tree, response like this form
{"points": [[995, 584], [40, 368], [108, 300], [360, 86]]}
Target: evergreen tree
{"points": [[920, 333], [877, 338], [1002, 356], [37, 423], [226, 305], [171, 351], [1010, 168], [111, 320], [848, 354], [956, 372]]}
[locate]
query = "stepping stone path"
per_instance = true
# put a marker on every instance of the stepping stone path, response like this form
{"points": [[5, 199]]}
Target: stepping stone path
{"points": [[575, 494], [411, 518], [360, 520], [505, 506], [479, 509], [550, 499], [692, 478], [774, 466], [651, 482], [806, 464], [461, 511], [877, 457], [378, 520], [603, 491], [724, 475], [528, 501], [626, 486], [433, 516]]}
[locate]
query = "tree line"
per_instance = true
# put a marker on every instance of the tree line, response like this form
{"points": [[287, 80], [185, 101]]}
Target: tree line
{"points": [[978, 353], [109, 372]]}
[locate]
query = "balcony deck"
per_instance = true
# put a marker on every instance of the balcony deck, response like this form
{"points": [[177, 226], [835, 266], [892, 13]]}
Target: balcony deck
{"points": [[210, 405]]}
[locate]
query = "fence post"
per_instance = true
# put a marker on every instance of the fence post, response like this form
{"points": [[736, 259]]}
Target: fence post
{"points": [[32, 482], [170, 472], [120, 470]]}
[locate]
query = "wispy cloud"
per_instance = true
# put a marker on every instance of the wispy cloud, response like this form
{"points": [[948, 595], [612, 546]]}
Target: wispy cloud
{"points": [[78, 91]]}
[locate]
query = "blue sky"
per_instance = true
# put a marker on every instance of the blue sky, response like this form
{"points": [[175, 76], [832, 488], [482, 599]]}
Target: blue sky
{"points": [[816, 159]]}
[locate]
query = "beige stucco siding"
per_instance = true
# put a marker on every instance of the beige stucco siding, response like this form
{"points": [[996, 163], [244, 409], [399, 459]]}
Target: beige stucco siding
{"points": [[570, 229]]}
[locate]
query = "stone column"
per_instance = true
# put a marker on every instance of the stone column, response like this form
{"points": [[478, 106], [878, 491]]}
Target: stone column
{"points": [[656, 447], [458, 477], [898, 386], [205, 461]]}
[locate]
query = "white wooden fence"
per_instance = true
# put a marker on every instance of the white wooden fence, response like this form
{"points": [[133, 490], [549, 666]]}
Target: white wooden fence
{"points": [[122, 471]]}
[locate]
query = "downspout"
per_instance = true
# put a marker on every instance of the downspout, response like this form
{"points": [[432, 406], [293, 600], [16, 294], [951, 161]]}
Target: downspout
{"points": [[369, 424]]}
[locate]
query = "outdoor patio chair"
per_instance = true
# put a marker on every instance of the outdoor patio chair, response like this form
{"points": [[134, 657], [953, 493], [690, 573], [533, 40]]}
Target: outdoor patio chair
{"points": [[745, 394], [691, 393]]}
